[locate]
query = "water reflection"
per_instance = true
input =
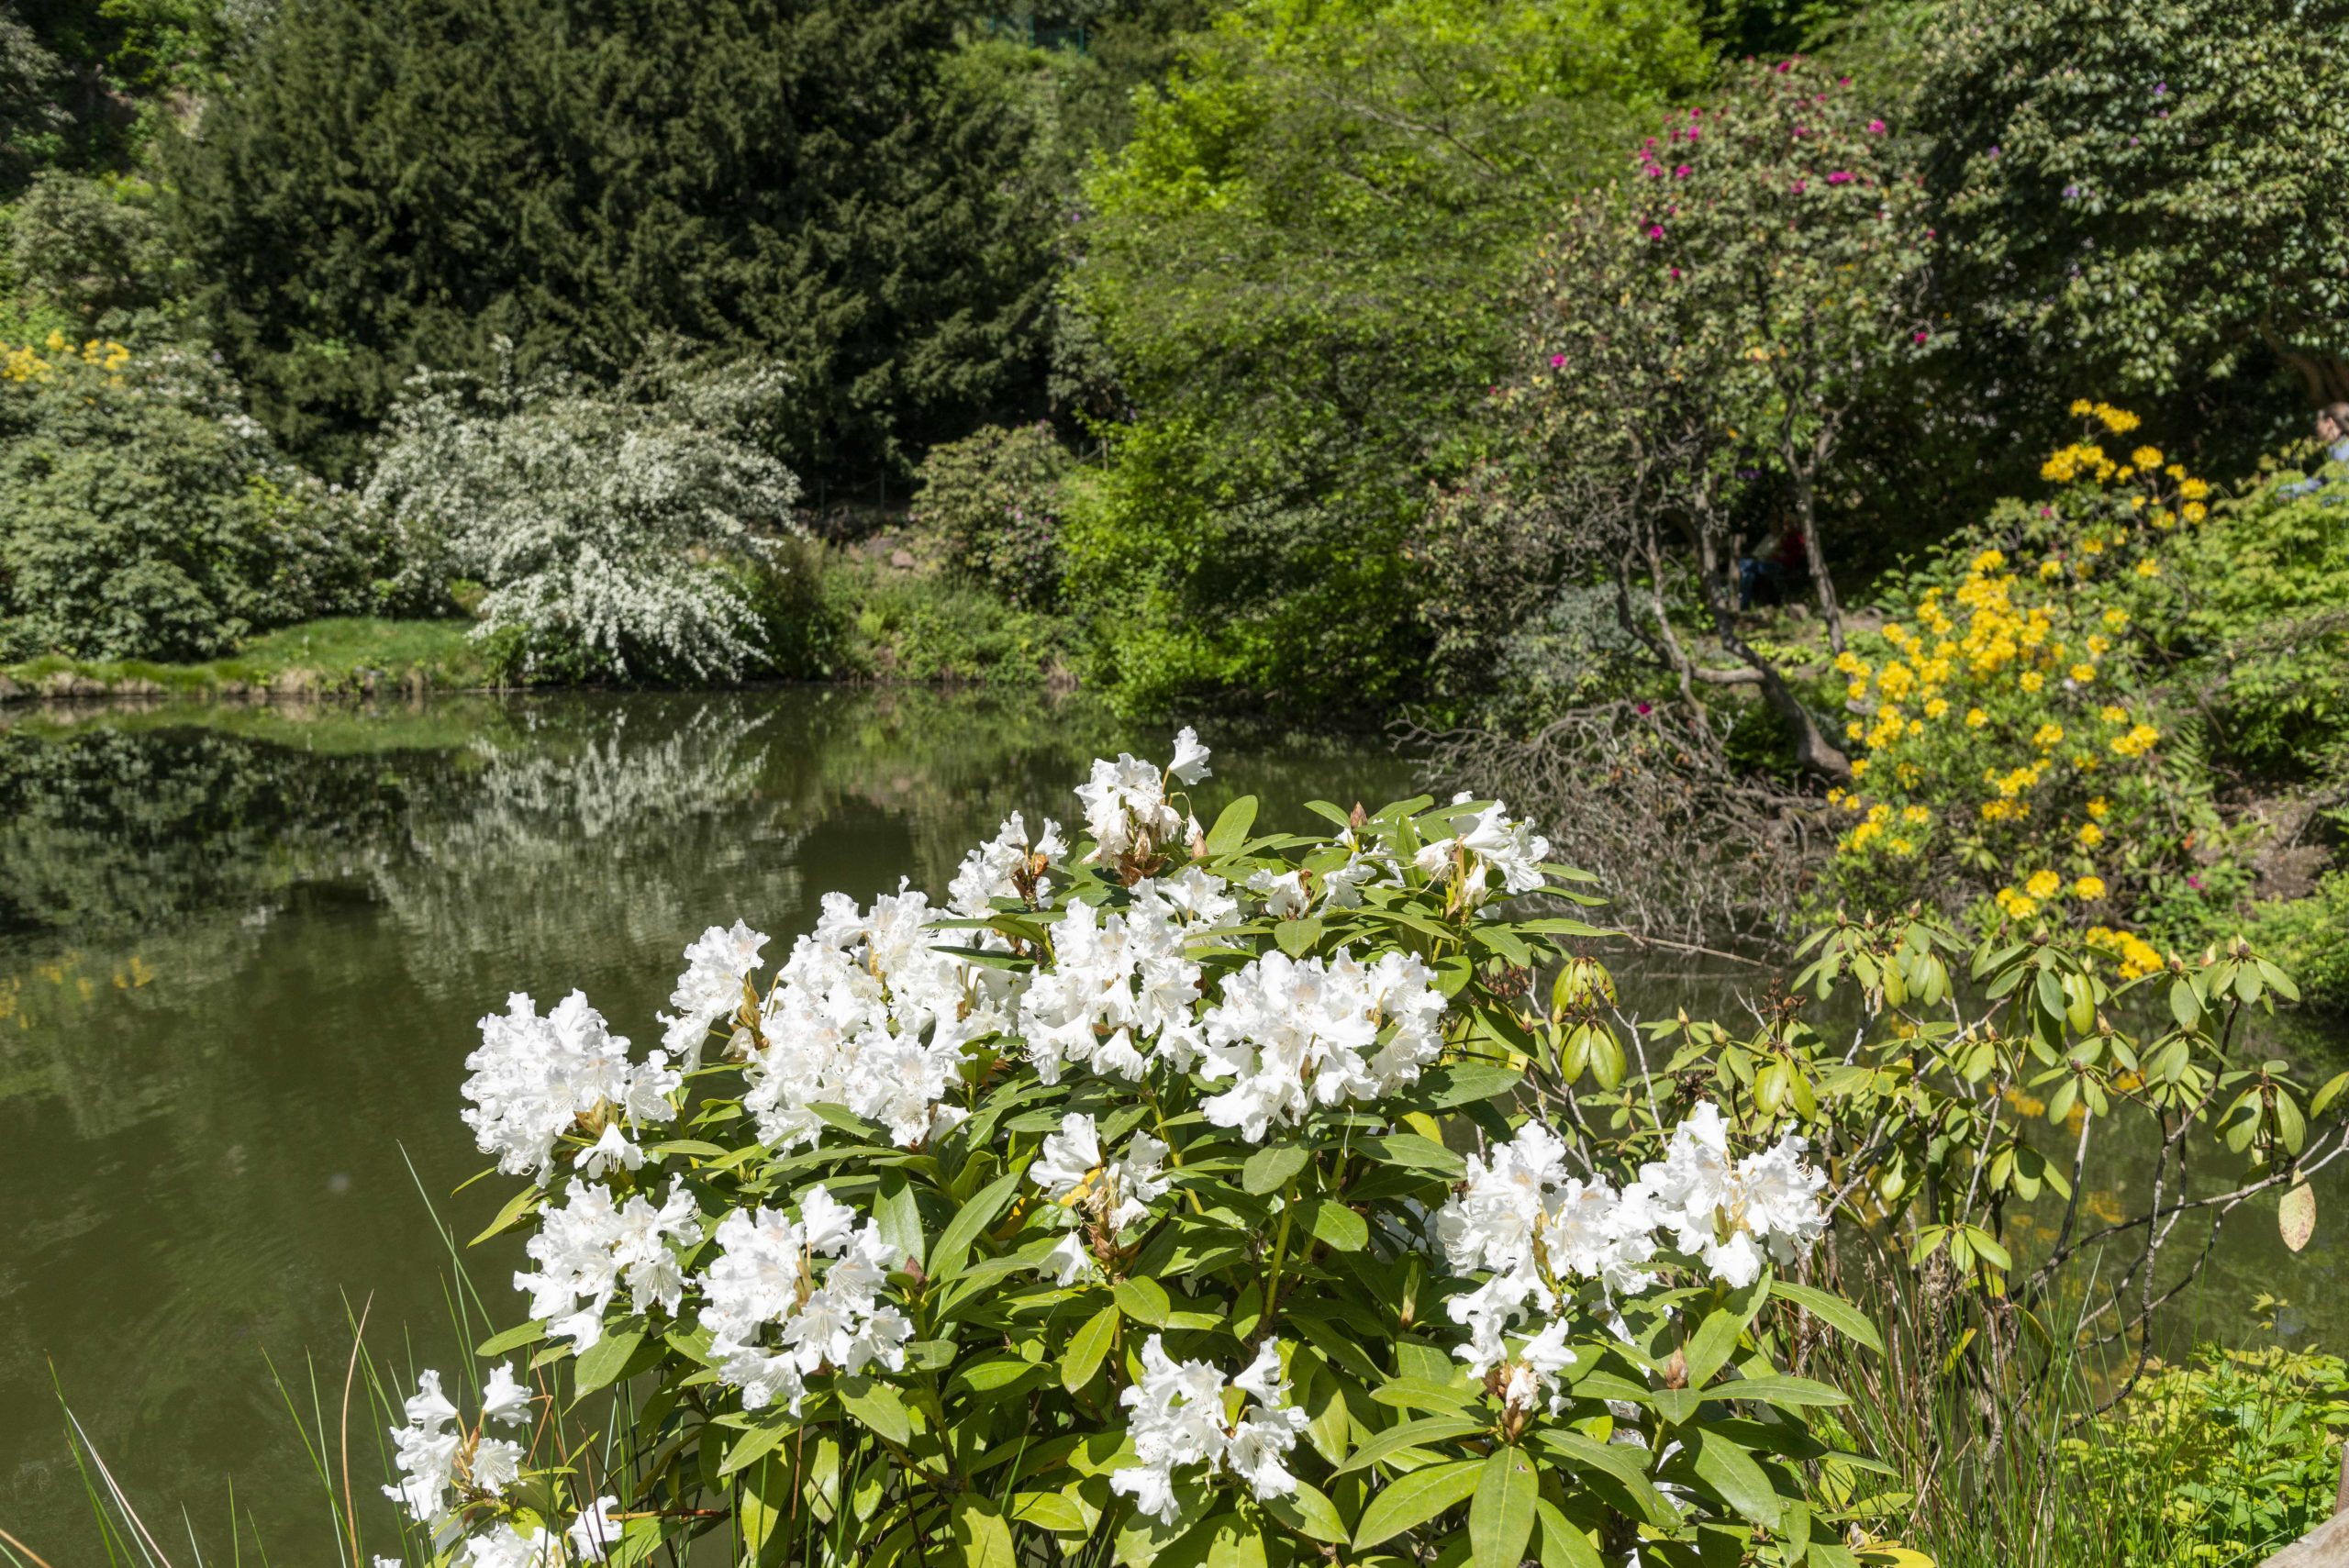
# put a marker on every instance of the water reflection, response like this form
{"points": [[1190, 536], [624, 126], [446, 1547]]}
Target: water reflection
{"points": [[241, 956]]}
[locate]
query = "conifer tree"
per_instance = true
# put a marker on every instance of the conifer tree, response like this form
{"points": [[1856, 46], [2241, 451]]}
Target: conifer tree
{"points": [[390, 183]]}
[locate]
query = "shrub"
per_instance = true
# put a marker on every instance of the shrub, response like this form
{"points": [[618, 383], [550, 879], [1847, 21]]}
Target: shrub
{"points": [[1120, 1204], [994, 500], [2239, 1450], [86, 247], [600, 522], [147, 517], [2016, 728]]}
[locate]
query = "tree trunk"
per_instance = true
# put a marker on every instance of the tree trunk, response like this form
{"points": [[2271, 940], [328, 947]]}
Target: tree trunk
{"points": [[1807, 515]]}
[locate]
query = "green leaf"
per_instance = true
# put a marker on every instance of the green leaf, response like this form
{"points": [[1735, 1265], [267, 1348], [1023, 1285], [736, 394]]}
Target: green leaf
{"points": [[953, 1247], [1412, 1500], [1309, 1512], [1085, 1348], [1047, 1510], [1231, 825], [1465, 1082], [1411, 1434], [1297, 937], [1335, 1225], [1564, 1546], [1725, 1467], [521, 1204], [2295, 1216], [1585, 1452], [1776, 1388], [879, 1407], [1144, 1300], [1500, 1515], [1270, 1168], [1414, 1153], [513, 1338], [755, 1445], [980, 1534], [899, 1217], [602, 1361], [1423, 1394], [1716, 1337], [1831, 1310]]}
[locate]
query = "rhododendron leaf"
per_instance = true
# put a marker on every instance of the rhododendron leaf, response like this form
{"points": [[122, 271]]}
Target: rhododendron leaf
{"points": [[1413, 1152], [1832, 1310], [1500, 1515], [1308, 1511], [1086, 1347], [603, 1362], [1737, 1478], [512, 1339], [953, 1249], [1613, 1462], [1562, 1545], [981, 1539], [1273, 1167], [1334, 1225], [1412, 1500], [1144, 1300], [1776, 1388], [1407, 1436], [1053, 1511], [1231, 824], [756, 1443], [879, 1407], [526, 1202]]}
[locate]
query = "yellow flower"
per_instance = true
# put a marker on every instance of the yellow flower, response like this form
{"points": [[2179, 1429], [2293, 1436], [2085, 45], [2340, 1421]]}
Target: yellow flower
{"points": [[2082, 408], [1916, 816], [1936, 707], [2043, 884], [1849, 664], [2137, 742], [2047, 735], [2050, 569], [2147, 458], [1859, 767], [1856, 690], [2083, 674], [2092, 545], [2120, 421], [1975, 718], [1855, 729], [2194, 511], [2116, 618], [2098, 645], [2032, 680], [2091, 835], [2088, 887], [2149, 567], [2098, 806], [2193, 489], [1989, 560], [2016, 904]]}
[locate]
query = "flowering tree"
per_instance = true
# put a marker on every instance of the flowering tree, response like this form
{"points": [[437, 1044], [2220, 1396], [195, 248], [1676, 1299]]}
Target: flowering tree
{"points": [[1697, 340], [1197, 1193]]}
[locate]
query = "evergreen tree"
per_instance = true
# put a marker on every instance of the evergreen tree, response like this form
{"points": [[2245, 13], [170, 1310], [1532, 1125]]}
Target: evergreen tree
{"points": [[390, 183]]}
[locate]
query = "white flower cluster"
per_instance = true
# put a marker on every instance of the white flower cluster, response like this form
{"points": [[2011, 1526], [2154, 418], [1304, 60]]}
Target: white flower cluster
{"points": [[1528, 1223], [763, 1278], [587, 1250], [447, 1468], [1121, 986], [1294, 1033], [996, 868], [1178, 1419], [1484, 845], [710, 988], [1071, 1170], [1125, 808], [868, 1014], [535, 1079]]}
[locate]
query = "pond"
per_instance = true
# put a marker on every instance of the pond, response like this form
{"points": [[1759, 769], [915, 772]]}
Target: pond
{"points": [[243, 952]]}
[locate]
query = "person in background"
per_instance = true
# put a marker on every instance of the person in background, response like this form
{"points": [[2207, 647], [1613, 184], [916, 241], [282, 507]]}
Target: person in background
{"points": [[1769, 575], [2333, 431]]}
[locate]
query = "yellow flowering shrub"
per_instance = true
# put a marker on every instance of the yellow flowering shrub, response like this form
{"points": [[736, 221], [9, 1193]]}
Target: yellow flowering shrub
{"points": [[2007, 725]]}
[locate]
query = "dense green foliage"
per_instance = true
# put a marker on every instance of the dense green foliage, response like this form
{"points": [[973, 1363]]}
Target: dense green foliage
{"points": [[2147, 201], [1293, 269], [993, 501], [389, 185], [147, 516]]}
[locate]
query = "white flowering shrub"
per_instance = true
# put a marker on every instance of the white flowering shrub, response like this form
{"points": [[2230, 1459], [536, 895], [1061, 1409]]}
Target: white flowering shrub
{"points": [[1169, 1195], [600, 520]]}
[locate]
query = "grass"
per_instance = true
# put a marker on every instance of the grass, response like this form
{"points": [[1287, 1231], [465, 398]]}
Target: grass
{"points": [[338, 655]]}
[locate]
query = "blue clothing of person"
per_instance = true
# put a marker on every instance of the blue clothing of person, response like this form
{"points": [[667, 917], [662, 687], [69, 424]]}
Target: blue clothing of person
{"points": [[2338, 453]]}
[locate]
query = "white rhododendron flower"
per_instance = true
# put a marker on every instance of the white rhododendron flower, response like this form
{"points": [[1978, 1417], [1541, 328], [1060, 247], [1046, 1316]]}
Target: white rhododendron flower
{"points": [[1071, 1168], [996, 869], [717, 963], [1177, 1420], [1486, 847], [449, 1469], [774, 1322], [535, 1078], [1295, 1033], [868, 1014], [1119, 994], [1521, 1216], [1126, 809], [591, 1247]]}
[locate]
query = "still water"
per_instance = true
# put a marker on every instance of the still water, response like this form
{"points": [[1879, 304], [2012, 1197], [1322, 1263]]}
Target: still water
{"points": [[243, 952]]}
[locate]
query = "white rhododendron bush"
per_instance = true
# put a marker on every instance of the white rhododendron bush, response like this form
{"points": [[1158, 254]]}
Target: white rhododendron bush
{"points": [[1168, 1193]]}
